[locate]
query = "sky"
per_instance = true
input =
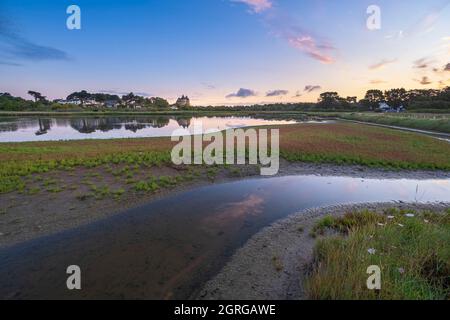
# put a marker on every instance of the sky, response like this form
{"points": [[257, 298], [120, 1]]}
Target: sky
{"points": [[224, 52]]}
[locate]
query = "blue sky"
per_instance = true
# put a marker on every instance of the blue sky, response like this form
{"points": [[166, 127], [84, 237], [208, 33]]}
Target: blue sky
{"points": [[277, 50]]}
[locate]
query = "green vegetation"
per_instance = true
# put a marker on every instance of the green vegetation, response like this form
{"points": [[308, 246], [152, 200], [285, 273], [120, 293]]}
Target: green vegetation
{"points": [[82, 100], [340, 143], [433, 123], [363, 145], [411, 249]]}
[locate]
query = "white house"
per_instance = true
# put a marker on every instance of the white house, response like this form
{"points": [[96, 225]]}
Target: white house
{"points": [[74, 101], [384, 107], [111, 103]]}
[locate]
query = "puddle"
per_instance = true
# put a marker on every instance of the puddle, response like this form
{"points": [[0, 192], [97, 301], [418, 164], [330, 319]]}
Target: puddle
{"points": [[168, 248]]}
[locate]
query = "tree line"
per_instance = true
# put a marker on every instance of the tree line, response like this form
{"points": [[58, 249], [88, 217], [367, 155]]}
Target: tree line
{"points": [[414, 100], [80, 100], [426, 100], [410, 99]]}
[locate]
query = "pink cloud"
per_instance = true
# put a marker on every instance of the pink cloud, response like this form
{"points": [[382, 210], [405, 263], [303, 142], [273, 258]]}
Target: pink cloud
{"points": [[257, 5], [309, 45], [383, 63], [283, 25]]}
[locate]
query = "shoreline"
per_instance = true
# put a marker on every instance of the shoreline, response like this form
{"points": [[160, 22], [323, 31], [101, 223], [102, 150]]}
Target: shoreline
{"points": [[272, 265], [18, 225], [148, 113]]}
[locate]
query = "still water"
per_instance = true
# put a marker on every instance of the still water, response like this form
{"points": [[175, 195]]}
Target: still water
{"points": [[22, 129], [168, 248]]}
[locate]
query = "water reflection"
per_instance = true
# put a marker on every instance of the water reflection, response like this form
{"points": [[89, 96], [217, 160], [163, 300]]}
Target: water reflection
{"points": [[72, 128], [170, 247], [44, 126]]}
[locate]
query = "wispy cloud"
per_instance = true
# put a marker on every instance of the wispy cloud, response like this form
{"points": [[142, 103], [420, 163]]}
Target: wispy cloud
{"points": [[122, 93], [276, 93], [15, 47], [425, 81], [282, 25], [242, 93], [208, 86], [297, 95], [423, 25], [381, 64], [7, 63], [377, 81], [256, 6], [311, 88], [426, 23], [309, 45], [422, 63]]}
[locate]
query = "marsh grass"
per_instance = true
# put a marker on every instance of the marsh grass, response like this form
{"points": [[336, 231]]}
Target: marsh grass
{"points": [[149, 185], [83, 196], [403, 120], [34, 190], [100, 192], [235, 172], [117, 194], [340, 143], [212, 172], [412, 252], [55, 189]]}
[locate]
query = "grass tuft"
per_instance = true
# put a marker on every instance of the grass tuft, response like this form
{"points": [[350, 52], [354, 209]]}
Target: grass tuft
{"points": [[412, 252]]}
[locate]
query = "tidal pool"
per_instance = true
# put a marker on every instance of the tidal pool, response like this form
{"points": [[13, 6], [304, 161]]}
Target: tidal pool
{"points": [[168, 248], [21, 129]]}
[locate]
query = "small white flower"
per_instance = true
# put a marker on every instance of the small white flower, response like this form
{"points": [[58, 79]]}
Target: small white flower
{"points": [[390, 217], [371, 251], [409, 215], [401, 270]]}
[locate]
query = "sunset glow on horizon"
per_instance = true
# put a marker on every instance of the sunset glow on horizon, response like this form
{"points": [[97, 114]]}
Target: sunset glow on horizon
{"points": [[224, 52]]}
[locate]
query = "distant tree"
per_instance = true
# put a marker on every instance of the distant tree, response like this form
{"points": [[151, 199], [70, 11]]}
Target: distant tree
{"points": [[445, 94], [38, 97], [103, 97], [83, 95], [329, 98], [373, 98], [396, 97], [127, 99], [351, 99], [160, 103]]}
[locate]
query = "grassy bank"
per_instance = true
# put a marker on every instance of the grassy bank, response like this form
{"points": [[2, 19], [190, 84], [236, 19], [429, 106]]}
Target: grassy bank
{"points": [[347, 143], [439, 123], [411, 249], [340, 143]]}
